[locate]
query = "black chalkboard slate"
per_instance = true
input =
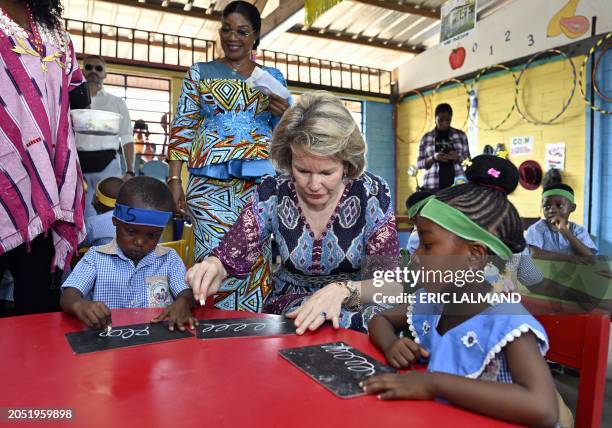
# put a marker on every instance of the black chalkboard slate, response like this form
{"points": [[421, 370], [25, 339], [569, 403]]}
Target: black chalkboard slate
{"points": [[337, 366], [84, 342], [244, 327]]}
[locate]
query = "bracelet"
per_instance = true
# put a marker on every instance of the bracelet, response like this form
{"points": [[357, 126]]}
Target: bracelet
{"points": [[353, 301], [131, 173], [174, 177]]}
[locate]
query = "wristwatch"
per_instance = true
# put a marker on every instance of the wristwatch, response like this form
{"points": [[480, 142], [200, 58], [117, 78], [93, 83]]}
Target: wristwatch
{"points": [[353, 301], [131, 173]]}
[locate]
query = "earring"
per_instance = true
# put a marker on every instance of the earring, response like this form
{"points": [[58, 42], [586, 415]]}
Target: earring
{"points": [[344, 176]]}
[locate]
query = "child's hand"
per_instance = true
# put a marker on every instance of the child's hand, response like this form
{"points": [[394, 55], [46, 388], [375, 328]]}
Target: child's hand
{"points": [[409, 386], [559, 224], [178, 314], [93, 314], [585, 260], [404, 352]]}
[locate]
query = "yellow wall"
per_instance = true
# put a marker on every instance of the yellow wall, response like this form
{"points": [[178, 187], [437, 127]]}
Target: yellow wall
{"points": [[544, 89]]}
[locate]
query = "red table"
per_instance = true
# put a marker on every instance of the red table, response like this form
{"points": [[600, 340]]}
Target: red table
{"points": [[191, 382]]}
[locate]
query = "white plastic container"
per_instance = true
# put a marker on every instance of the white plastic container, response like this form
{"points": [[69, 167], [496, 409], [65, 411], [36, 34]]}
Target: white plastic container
{"points": [[95, 122]]}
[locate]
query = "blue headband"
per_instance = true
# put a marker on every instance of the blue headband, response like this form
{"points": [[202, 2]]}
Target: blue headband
{"points": [[141, 216]]}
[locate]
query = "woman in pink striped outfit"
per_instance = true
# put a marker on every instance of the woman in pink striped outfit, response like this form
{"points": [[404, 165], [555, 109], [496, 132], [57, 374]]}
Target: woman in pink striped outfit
{"points": [[41, 187]]}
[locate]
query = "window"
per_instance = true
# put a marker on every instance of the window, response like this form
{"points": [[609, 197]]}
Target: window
{"points": [[148, 100]]}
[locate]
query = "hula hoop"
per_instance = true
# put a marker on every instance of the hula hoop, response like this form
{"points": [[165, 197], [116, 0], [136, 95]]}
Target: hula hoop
{"points": [[567, 102], [467, 93], [594, 77], [516, 92], [425, 123], [583, 68]]}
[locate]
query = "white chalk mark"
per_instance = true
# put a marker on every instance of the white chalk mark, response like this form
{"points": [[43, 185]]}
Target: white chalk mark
{"points": [[125, 333], [354, 363], [236, 327]]}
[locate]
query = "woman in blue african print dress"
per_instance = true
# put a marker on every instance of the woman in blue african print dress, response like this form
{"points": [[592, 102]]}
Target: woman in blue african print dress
{"points": [[223, 129], [331, 220]]}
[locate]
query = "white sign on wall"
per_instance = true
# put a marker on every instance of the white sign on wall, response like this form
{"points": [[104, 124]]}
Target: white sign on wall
{"points": [[521, 146], [555, 156], [457, 20], [519, 29]]}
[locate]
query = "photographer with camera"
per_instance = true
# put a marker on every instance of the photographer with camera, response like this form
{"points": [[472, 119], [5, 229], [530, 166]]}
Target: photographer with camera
{"points": [[441, 152]]}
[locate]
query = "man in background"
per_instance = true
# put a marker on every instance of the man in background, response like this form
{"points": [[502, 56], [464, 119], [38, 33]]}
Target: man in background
{"points": [[100, 155]]}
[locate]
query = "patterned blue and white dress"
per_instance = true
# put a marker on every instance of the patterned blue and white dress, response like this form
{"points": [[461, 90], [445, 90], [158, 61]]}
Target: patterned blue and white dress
{"points": [[475, 347]]}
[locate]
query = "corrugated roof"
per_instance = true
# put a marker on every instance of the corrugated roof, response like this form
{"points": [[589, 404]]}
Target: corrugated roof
{"points": [[354, 20]]}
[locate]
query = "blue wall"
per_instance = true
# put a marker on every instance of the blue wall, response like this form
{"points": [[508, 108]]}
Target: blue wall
{"points": [[601, 213], [380, 138]]}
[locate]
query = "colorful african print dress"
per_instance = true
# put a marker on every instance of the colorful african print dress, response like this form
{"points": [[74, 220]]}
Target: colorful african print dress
{"points": [[360, 233], [223, 129]]}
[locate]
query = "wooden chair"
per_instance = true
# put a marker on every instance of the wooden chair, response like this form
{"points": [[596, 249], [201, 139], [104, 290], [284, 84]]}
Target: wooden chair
{"points": [[581, 342], [185, 246]]}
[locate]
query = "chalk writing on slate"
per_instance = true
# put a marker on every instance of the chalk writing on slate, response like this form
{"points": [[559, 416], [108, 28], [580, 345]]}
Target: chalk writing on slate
{"points": [[244, 327], [337, 366], [87, 341]]}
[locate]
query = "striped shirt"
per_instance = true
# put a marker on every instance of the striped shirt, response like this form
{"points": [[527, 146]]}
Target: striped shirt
{"points": [[106, 275], [41, 186]]}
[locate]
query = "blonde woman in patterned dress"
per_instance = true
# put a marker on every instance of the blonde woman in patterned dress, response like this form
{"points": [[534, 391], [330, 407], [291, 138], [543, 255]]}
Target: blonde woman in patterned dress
{"points": [[223, 129], [332, 220]]}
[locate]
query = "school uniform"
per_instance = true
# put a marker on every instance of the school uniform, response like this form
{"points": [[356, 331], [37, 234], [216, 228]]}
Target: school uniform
{"points": [[105, 274], [540, 235]]}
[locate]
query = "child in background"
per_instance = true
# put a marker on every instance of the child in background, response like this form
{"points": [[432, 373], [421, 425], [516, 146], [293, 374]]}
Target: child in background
{"points": [[132, 271], [100, 227], [413, 203], [485, 358], [555, 237]]}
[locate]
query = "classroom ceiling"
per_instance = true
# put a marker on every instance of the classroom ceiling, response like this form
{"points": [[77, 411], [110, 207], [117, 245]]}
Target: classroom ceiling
{"points": [[373, 33]]}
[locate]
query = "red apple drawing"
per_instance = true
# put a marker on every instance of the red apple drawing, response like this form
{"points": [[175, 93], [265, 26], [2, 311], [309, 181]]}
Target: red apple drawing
{"points": [[456, 58]]}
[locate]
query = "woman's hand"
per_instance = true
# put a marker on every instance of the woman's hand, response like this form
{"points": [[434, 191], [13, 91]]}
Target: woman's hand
{"points": [[277, 105], [324, 304], [205, 278], [178, 196]]}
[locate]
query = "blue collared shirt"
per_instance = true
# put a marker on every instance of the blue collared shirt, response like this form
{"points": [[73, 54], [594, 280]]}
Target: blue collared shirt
{"points": [[100, 229], [106, 275], [541, 236]]}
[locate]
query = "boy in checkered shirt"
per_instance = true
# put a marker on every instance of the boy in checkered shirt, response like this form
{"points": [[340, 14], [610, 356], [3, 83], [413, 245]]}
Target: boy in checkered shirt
{"points": [[132, 271]]}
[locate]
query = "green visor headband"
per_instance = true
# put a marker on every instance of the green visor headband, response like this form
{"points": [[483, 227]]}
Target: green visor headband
{"points": [[458, 223], [559, 192], [416, 207]]}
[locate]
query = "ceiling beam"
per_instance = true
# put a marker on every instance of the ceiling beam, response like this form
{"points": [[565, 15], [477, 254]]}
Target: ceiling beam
{"points": [[173, 7], [260, 5], [286, 10], [404, 8], [358, 40]]}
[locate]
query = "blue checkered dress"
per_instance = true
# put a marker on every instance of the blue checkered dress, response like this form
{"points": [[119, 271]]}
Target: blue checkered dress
{"points": [[106, 275]]}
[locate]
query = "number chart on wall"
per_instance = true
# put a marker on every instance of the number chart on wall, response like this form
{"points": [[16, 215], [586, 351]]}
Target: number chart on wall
{"points": [[520, 29]]}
